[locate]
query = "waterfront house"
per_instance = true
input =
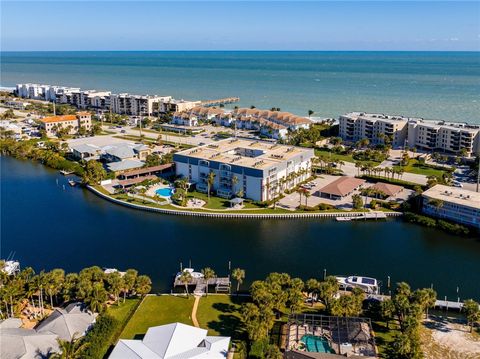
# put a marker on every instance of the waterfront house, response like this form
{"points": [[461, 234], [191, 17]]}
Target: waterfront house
{"points": [[340, 188], [71, 123], [452, 203], [125, 151], [85, 151], [175, 340], [41, 341], [259, 169]]}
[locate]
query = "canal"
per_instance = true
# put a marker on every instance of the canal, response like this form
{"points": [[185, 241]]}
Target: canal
{"points": [[52, 225]]}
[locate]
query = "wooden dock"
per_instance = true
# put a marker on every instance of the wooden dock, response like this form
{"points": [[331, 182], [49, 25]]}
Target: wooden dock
{"points": [[220, 101], [222, 284], [439, 304]]}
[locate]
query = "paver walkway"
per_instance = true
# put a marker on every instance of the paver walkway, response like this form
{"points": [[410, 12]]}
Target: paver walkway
{"points": [[194, 311]]}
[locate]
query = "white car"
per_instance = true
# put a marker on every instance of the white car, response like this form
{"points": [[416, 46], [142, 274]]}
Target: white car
{"points": [[457, 184]]}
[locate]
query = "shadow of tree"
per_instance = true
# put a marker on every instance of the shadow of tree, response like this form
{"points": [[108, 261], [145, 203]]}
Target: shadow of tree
{"points": [[228, 325]]}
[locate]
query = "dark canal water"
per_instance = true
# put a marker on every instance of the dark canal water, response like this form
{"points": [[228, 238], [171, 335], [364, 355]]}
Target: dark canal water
{"points": [[51, 227]]}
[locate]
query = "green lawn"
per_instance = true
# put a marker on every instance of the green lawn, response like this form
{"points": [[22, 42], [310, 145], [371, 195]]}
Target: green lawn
{"points": [[220, 314], [158, 310], [421, 169], [122, 311], [334, 156], [383, 336]]}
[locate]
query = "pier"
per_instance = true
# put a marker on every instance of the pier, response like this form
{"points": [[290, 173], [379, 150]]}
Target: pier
{"points": [[439, 304], [222, 284], [220, 101]]}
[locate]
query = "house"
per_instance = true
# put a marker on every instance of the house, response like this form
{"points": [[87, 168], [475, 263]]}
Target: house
{"points": [[74, 319], [38, 343], [125, 151], [85, 151], [175, 340], [340, 188], [184, 119]]}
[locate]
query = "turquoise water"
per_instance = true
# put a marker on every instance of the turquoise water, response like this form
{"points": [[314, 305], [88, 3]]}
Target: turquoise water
{"points": [[443, 85], [165, 192], [316, 344]]}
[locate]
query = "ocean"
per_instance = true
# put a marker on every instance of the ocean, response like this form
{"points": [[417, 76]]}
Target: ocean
{"points": [[433, 85]]}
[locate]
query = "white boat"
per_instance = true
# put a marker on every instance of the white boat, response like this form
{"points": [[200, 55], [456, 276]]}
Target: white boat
{"points": [[367, 284], [72, 183], [195, 275], [11, 267], [343, 219]]}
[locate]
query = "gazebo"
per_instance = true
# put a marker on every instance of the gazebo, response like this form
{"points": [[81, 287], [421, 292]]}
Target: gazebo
{"points": [[237, 201]]}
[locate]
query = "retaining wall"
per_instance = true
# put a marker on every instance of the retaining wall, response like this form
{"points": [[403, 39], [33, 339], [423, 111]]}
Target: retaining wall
{"points": [[234, 215]]}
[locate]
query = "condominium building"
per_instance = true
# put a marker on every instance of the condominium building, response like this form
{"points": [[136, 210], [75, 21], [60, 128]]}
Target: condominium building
{"points": [[456, 204], [450, 138], [258, 169], [377, 128], [71, 123], [42, 92], [136, 105]]}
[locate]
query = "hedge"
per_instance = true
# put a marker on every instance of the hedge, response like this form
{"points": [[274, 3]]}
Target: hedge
{"points": [[446, 226]]}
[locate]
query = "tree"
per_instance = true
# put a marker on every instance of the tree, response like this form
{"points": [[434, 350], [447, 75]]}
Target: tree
{"points": [[258, 322], [54, 282], [357, 201], [426, 298], [210, 182], [129, 280], [387, 311], [239, 275], [94, 173], [472, 312], [208, 273], [272, 352], [115, 285], [143, 285], [312, 285], [436, 203], [97, 298], [310, 113], [152, 160], [327, 290], [185, 278], [70, 349]]}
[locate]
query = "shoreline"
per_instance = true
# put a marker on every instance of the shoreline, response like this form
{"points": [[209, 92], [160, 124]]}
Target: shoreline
{"points": [[195, 213]]}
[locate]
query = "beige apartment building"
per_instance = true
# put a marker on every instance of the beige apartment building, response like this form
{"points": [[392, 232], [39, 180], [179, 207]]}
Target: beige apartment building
{"points": [[71, 122], [356, 126], [444, 137]]}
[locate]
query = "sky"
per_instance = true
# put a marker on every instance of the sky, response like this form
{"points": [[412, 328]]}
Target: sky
{"points": [[231, 25]]}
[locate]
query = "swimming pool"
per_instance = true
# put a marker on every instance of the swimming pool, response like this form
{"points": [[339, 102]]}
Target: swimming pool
{"points": [[164, 192], [316, 344]]}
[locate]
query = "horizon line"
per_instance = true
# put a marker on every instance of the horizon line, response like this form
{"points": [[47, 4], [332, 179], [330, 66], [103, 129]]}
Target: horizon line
{"points": [[239, 50]]}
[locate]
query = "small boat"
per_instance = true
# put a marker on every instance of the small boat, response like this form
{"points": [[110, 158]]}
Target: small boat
{"points": [[11, 267], [343, 219], [72, 183], [195, 275], [367, 284]]}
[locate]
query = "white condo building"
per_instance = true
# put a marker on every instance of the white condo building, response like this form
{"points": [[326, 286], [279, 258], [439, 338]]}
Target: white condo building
{"points": [[451, 138], [356, 126], [456, 204], [258, 169]]}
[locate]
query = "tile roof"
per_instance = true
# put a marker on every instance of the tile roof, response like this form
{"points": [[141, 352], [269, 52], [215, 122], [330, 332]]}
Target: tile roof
{"points": [[342, 186]]}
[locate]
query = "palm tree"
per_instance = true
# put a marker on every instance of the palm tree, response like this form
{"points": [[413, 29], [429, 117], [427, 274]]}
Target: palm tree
{"points": [[300, 191], [472, 312], [208, 273], [210, 182], [185, 278], [306, 194], [115, 283], [70, 349], [312, 285], [239, 275], [129, 280], [234, 183], [143, 285], [310, 113]]}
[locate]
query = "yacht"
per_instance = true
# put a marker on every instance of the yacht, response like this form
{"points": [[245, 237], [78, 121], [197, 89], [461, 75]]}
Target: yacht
{"points": [[367, 284], [195, 275], [11, 267]]}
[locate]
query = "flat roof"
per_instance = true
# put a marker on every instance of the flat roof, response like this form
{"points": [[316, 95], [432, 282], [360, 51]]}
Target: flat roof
{"points": [[455, 195], [228, 151], [342, 186]]}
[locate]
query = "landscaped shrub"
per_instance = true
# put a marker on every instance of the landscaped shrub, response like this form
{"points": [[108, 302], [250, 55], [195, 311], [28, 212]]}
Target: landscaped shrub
{"points": [[101, 336], [325, 207], [453, 228]]}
